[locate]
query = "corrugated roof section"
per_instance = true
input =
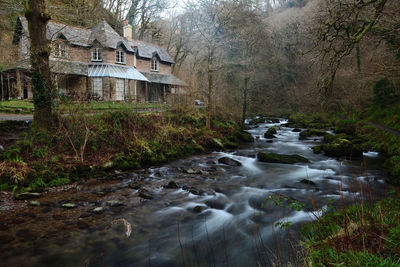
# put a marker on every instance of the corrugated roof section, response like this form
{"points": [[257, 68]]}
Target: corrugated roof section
{"points": [[107, 70]]}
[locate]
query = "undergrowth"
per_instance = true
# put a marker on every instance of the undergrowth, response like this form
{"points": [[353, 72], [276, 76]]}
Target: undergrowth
{"points": [[359, 235], [84, 145]]}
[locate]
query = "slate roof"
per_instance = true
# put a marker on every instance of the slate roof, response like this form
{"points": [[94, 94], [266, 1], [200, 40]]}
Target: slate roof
{"points": [[163, 78], [102, 32]]}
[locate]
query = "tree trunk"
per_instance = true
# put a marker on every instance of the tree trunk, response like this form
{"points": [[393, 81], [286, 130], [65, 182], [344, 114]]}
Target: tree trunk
{"points": [[244, 104], [210, 86], [42, 88]]}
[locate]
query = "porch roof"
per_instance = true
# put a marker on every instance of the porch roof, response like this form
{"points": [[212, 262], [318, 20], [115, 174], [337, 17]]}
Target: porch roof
{"points": [[163, 78], [108, 70]]}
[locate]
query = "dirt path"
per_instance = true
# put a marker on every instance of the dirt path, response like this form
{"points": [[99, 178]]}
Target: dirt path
{"points": [[384, 128], [15, 117]]}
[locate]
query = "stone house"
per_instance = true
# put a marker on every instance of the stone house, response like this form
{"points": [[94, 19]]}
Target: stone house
{"points": [[96, 64]]}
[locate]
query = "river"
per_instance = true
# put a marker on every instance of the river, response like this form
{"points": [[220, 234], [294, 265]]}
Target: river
{"points": [[218, 216]]}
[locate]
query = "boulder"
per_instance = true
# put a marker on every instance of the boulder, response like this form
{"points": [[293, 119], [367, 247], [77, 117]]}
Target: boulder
{"points": [[296, 130], [69, 206], [34, 203], [193, 171], [171, 185], [273, 120], [114, 203], [342, 148], [257, 121], [317, 149], [229, 161], [199, 208], [27, 195], [311, 133], [307, 181], [231, 145], [280, 158], [215, 143], [270, 133], [98, 210], [144, 193]]}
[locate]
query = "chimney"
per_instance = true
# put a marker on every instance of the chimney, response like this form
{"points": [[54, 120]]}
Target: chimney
{"points": [[127, 30]]}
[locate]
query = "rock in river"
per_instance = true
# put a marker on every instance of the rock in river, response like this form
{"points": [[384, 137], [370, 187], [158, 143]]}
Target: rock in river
{"points": [[114, 203], [229, 161], [69, 206], [143, 193], [280, 158], [171, 185], [27, 195], [307, 181]]}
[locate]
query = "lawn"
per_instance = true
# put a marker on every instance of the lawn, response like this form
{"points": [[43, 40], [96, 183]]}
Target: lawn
{"points": [[26, 106]]}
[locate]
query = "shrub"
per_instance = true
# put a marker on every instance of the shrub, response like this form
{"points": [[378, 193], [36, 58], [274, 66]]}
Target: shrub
{"points": [[384, 92]]}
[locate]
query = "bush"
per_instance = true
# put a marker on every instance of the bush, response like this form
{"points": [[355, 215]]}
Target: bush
{"points": [[384, 92]]}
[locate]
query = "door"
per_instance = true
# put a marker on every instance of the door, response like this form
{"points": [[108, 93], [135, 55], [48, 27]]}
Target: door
{"points": [[98, 88], [120, 90]]}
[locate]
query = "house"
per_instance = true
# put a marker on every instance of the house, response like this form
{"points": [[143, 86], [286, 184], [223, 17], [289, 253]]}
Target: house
{"points": [[96, 64]]}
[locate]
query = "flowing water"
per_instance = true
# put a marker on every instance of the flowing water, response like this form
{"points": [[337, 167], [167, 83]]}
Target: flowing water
{"points": [[218, 217]]}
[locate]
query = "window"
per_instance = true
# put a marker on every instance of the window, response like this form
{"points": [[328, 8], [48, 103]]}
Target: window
{"points": [[120, 56], [154, 64], [60, 50], [97, 54], [98, 88]]}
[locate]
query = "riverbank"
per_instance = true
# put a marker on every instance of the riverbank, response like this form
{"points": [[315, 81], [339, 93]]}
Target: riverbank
{"points": [[83, 147], [365, 233]]}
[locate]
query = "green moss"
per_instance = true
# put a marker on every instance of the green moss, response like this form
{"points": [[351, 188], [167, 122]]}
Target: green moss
{"points": [[280, 158], [342, 148], [311, 133]]}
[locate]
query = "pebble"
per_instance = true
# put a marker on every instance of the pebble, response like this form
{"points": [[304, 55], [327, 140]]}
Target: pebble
{"points": [[69, 206], [34, 203]]}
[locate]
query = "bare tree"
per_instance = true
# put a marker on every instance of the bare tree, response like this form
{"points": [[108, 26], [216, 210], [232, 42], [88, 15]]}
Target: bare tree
{"points": [[339, 25]]}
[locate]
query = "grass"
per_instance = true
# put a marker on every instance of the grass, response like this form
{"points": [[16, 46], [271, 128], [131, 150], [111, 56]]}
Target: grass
{"points": [[16, 106], [359, 235], [26, 106], [84, 146]]}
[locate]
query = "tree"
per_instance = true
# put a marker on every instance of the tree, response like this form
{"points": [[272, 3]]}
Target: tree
{"points": [[339, 27], [143, 13], [206, 15], [42, 87]]}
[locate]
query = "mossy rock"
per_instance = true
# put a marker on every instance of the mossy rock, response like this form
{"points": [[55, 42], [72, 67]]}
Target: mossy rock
{"points": [[215, 143], [342, 148], [281, 158], [272, 130], [317, 149], [311, 133], [245, 137], [273, 120], [230, 144], [25, 196], [257, 121], [268, 135], [329, 138]]}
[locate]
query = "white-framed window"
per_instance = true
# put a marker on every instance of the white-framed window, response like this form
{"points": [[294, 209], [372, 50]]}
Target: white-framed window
{"points": [[154, 64], [119, 56], [60, 49], [97, 54]]}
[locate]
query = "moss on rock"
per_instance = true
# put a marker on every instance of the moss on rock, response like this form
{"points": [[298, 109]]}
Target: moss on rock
{"points": [[281, 158]]}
